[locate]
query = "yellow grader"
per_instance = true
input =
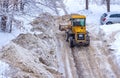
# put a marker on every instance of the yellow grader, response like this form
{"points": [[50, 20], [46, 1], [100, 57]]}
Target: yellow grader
{"points": [[76, 33]]}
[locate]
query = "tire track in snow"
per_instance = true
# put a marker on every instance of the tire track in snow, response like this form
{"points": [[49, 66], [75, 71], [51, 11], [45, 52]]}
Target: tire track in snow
{"points": [[68, 63], [82, 62], [85, 63], [91, 61], [77, 63]]}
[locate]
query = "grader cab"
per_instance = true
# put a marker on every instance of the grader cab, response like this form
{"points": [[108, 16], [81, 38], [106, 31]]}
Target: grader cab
{"points": [[76, 33]]}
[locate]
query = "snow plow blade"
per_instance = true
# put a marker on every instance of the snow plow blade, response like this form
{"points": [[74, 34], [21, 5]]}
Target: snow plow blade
{"points": [[64, 27]]}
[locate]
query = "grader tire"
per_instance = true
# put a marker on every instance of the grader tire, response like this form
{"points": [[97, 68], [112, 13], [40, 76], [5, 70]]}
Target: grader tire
{"points": [[71, 42], [88, 41], [67, 36]]}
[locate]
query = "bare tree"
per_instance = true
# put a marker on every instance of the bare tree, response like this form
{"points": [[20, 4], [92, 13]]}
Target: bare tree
{"points": [[62, 5], [6, 5], [10, 7], [22, 4], [15, 5], [102, 1], [3, 22], [6, 12], [108, 5], [87, 4], [54, 5]]}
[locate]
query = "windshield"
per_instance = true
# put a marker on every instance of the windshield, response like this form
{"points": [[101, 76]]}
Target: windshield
{"points": [[78, 22]]}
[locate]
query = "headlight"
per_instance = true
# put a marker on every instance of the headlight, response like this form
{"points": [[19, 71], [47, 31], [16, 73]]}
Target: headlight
{"points": [[80, 36]]}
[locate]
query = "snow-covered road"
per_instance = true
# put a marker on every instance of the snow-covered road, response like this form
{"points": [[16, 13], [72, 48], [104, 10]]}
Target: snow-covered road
{"points": [[89, 62], [43, 52]]}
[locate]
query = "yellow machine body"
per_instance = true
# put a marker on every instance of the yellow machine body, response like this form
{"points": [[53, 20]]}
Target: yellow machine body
{"points": [[79, 29], [76, 32]]}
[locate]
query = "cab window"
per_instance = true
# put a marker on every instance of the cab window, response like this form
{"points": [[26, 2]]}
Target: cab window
{"points": [[78, 22]]}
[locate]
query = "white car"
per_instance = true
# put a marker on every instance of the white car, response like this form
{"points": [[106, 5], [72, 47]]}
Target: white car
{"points": [[110, 18]]}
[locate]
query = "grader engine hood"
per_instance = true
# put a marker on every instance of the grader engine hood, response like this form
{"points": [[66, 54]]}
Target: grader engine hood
{"points": [[78, 29]]}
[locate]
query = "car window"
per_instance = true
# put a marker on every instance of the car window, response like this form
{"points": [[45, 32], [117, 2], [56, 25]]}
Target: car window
{"points": [[79, 22], [119, 15], [115, 15], [104, 15]]}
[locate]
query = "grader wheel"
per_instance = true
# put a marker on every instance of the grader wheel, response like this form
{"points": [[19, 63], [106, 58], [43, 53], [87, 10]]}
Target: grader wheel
{"points": [[87, 40], [71, 42]]}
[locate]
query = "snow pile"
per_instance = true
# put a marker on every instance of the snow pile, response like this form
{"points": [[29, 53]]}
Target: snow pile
{"points": [[116, 46], [111, 35], [109, 29], [34, 54], [27, 63], [39, 52], [20, 25]]}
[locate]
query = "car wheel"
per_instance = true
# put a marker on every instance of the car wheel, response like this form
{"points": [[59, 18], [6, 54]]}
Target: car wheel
{"points": [[109, 23]]}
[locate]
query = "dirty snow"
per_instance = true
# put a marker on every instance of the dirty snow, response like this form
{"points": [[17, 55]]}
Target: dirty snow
{"points": [[20, 48], [116, 46], [112, 33]]}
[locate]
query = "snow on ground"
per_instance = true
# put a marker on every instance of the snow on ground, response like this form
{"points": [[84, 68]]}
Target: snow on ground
{"points": [[23, 26], [109, 29], [26, 62], [4, 68], [116, 46], [93, 16], [93, 20], [112, 35], [32, 50]]}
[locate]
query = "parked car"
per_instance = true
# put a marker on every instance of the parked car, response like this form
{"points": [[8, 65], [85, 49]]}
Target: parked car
{"points": [[110, 18]]}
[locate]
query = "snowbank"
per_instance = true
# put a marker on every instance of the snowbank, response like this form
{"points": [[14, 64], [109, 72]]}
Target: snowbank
{"points": [[27, 63], [34, 54], [110, 29], [111, 35]]}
